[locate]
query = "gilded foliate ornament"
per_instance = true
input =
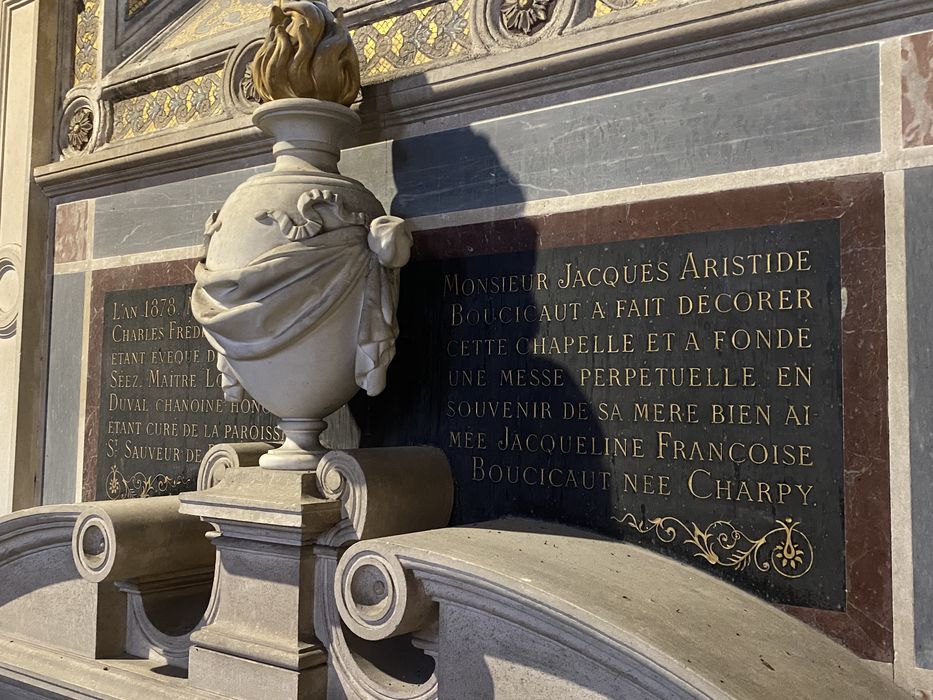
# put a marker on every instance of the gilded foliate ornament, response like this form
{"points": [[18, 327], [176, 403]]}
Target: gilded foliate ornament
{"points": [[784, 550]]}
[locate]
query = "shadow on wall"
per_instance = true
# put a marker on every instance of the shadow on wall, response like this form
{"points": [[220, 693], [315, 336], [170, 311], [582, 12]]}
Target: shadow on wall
{"points": [[455, 383], [448, 386]]}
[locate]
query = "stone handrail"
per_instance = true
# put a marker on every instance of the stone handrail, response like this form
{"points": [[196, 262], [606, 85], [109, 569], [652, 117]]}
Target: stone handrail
{"points": [[534, 610]]}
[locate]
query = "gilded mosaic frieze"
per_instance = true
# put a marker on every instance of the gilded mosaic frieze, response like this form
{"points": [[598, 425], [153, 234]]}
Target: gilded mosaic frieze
{"points": [[412, 39], [87, 41], [388, 47], [216, 18], [192, 100]]}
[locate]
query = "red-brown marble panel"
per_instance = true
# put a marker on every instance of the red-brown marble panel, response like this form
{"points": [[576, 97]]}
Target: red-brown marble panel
{"points": [[917, 89], [71, 222]]}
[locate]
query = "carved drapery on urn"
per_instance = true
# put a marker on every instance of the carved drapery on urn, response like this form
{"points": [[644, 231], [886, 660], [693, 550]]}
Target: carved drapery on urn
{"points": [[298, 287]]}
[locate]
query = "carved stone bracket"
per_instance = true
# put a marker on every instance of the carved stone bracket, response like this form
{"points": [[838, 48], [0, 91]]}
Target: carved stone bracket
{"points": [[391, 490], [162, 612], [262, 621], [168, 587], [118, 540], [221, 458], [378, 599], [161, 564], [532, 609]]}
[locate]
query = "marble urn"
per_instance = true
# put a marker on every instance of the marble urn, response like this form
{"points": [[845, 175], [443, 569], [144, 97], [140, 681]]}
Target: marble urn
{"points": [[298, 286]]}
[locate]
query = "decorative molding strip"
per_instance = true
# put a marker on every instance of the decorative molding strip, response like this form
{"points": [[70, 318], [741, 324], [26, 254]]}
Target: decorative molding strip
{"points": [[621, 50], [193, 100], [87, 42], [602, 8]]}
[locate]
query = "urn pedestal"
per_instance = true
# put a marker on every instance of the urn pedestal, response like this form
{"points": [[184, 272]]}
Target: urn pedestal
{"points": [[272, 621], [258, 639]]}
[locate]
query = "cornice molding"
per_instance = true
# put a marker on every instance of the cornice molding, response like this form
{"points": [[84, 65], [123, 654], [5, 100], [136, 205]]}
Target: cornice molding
{"points": [[581, 59]]}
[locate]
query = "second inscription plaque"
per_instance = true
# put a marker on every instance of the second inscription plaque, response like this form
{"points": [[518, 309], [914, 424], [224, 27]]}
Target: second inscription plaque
{"points": [[161, 402]]}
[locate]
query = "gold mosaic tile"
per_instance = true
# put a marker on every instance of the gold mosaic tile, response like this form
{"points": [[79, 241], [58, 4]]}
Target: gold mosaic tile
{"points": [[413, 39], [602, 9], [192, 100], [217, 17], [87, 41], [134, 7]]}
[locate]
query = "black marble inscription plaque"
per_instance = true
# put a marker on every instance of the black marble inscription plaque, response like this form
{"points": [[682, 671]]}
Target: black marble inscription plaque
{"points": [[161, 402], [681, 392]]}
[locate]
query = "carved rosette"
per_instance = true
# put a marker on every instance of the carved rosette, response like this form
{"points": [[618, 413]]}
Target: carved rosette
{"points": [[500, 25], [80, 127], [248, 87], [524, 16], [240, 95]]}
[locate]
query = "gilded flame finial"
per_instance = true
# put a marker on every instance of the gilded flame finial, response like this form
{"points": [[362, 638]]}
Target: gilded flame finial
{"points": [[307, 53]]}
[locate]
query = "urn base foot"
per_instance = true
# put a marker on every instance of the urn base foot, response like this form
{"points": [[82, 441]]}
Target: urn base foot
{"points": [[290, 460], [302, 449]]}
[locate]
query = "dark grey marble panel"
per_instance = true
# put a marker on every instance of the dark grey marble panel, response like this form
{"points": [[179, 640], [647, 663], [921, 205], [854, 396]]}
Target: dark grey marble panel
{"points": [[371, 165], [62, 432], [160, 217], [173, 215], [818, 107], [919, 216]]}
